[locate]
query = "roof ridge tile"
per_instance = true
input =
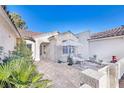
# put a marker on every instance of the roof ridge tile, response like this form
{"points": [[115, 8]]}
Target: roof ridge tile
{"points": [[118, 31]]}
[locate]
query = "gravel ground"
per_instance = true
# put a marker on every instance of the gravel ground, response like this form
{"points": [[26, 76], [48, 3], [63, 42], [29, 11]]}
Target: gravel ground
{"points": [[62, 75]]}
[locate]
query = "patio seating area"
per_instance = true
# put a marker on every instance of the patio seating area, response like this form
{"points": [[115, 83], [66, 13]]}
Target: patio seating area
{"points": [[86, 64], [62, 75], [79, 63]]}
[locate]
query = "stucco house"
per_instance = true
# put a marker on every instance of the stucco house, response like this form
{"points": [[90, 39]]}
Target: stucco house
{"points": [[50, 45], [54, 45], [8, 32]]}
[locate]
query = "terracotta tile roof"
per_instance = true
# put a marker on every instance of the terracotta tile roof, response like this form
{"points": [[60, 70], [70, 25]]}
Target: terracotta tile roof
{"points": [[109, 33], [29, 34]]}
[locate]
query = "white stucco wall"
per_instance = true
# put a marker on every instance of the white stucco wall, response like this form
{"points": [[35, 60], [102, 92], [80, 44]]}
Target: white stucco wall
{"points": [[106, 48], [7, 40], [51, 50], [43, 38], [7, 35], [83, 38]]}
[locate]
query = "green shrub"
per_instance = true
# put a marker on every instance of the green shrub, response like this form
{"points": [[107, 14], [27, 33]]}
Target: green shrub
{"points": [[20, 72], [23, 51]]}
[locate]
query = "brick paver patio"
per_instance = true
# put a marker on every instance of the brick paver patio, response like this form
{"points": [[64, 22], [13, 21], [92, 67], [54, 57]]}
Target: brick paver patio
{"points": [[62, 76]]}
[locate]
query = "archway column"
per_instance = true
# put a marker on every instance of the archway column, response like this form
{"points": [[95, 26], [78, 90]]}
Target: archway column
{"points": [[37, 52]]}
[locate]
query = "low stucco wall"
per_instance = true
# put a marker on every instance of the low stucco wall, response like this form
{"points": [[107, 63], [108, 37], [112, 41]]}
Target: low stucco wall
{"points": [[106, 77], [113, 75], [120, 65], [111, 72]]}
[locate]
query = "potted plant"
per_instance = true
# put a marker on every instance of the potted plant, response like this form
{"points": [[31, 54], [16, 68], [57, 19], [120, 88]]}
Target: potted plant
{"points": [[69, 60]]}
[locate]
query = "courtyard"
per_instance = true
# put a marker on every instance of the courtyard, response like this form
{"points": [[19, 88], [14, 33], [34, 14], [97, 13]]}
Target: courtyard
{"points": [[62, 75]]}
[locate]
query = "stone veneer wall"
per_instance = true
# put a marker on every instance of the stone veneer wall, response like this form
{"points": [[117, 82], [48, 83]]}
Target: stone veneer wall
{"points": [[94, 78], [106, 77]]}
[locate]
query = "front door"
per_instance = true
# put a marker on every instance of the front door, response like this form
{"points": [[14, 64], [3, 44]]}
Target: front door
{"points": [[43, 51]]}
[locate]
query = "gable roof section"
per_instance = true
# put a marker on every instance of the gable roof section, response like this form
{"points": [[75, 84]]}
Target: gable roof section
{"points": [[9, 20], [70, 33], [28, 34], [119, 31]]}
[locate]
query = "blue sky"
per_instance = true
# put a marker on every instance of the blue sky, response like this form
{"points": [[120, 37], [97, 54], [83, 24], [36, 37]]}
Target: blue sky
{"points": [[74, 18]]}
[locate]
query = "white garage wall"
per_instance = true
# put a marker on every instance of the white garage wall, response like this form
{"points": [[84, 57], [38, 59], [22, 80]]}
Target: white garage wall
{"points": [[106, 48]]}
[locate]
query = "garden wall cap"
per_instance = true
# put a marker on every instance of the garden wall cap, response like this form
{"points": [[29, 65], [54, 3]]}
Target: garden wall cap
{"points": [[92, 73]]}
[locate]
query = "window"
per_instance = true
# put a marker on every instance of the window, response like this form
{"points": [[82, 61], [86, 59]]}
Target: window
{"points": [[65, 49], [29, 46], [68, 49]]}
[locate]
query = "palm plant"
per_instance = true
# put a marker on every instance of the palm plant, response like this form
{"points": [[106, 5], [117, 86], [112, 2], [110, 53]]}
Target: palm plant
{"points": [[18, 74], [5, 72]]}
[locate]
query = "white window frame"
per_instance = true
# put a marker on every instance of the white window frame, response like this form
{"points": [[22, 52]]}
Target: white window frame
{"points": [[68, 49]]}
